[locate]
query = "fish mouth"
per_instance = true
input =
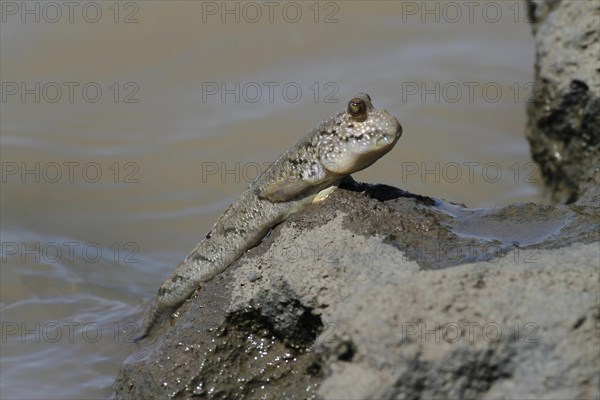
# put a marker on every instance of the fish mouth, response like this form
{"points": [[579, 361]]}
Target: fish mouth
{"points": [[386, 140], [390, 138]]}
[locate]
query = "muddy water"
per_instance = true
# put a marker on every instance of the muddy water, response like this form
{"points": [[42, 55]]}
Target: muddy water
{"points": [[127, 128]]}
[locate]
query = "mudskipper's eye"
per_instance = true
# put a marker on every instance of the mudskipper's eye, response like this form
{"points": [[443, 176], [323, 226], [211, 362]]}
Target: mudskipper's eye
{"points": [[357, 108]]}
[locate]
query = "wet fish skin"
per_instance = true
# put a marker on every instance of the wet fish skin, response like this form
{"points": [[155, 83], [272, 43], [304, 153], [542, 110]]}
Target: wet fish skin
{"points": [[345, 143]]}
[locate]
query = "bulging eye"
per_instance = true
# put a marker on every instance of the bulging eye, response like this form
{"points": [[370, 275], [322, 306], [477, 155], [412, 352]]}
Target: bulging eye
{"points": [[357, 108]]}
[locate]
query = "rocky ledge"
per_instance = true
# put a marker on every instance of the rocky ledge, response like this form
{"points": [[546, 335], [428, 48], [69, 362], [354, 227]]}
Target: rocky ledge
{"points": [[564, 116], [351, 299]]}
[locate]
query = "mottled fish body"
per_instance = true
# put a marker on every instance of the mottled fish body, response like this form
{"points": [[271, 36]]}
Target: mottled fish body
{"points": [[347, 142]]}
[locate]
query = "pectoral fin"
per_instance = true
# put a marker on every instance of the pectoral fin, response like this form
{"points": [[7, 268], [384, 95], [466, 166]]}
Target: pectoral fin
{"points": [[323, 194], [285, 190]]}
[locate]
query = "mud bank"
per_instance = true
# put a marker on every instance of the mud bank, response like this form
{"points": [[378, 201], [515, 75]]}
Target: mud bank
{"points": [[377, 293]]}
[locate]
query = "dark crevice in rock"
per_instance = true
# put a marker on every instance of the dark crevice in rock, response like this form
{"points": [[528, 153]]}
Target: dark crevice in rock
{"points": [[463, 374], [345, 350], [564, 118], [383, 192], [301, 332], [253, 359]]}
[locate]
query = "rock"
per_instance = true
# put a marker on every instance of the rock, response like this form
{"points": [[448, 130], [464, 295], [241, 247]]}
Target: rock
{"points": [[487, 330], [378, 293], [564, 116]]}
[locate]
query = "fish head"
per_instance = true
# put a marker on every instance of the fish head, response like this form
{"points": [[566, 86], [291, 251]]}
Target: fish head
{"points": [[357, 137]]}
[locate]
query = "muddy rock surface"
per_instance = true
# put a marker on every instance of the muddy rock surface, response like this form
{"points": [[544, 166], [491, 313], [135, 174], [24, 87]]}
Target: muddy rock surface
{"points": [[378, 293], [564, 116]]}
